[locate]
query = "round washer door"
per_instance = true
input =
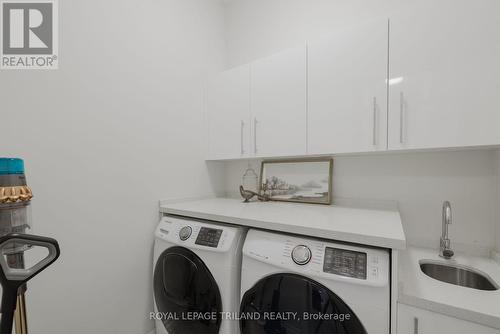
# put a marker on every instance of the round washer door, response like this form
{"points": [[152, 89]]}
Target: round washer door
{"points": [[290, 304], [186, 294]]}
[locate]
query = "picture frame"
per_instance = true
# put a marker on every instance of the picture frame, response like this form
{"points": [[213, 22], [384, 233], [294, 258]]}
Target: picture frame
{"points": [[297, 180]]}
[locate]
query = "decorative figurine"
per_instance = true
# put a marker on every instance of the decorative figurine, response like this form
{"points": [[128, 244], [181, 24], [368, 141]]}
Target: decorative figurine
{"points": [[249, 194]]}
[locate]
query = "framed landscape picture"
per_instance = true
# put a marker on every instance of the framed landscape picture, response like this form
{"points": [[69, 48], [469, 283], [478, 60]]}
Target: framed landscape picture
{"points": [[304, 181]]}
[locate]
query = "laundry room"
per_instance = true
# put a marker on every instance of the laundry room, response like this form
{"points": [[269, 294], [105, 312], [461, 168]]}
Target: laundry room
{"points": [[250, 166]]}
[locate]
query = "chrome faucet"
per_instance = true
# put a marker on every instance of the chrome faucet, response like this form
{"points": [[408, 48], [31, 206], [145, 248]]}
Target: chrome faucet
{"points": [[445, 250]]}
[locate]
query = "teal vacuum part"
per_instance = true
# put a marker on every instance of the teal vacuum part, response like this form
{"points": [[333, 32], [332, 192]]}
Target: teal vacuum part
{"points": [[9, 166]]}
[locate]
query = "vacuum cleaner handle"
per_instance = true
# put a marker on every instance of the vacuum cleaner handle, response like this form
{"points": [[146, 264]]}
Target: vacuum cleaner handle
{"points": [[12, 278]]}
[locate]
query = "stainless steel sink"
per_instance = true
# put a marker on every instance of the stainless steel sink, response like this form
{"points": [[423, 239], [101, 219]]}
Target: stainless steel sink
{"points": [[458, 275]]}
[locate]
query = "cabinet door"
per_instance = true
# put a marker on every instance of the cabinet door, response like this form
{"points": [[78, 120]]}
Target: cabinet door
{"points": [[278, 103], [445, 75], [347, 91], [412, 320], [228, 105]]}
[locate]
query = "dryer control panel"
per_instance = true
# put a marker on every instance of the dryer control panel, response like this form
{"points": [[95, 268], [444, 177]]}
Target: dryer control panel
{"points": [[323, 259], [196, 234]]}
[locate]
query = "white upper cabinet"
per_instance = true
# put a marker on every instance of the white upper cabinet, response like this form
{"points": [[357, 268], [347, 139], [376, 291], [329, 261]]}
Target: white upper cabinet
{"points": [[445, 75], [228, 108], [278, 103], [347, 91], [428, 79]]}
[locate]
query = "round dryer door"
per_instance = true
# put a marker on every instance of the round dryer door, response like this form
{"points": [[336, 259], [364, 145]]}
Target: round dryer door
{"points": [[186, 294], [290, 304]]}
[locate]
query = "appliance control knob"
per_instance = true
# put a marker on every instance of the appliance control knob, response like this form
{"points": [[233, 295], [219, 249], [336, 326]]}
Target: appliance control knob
{"points": [[185, 233], [301, 255]]}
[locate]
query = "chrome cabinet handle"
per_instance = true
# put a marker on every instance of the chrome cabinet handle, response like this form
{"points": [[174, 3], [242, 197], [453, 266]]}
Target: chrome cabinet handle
{"points": [[241, 137], [255, 135], [401, 114], [415, 325], [374, 121]]}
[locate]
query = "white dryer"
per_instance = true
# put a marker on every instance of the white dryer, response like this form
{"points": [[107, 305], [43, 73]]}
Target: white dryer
{"points": [[301, 285], [196, 276]]}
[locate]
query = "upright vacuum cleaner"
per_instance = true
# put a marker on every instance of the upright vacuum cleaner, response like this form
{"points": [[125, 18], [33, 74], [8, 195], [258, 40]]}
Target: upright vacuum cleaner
{"points": [[15, 221]]}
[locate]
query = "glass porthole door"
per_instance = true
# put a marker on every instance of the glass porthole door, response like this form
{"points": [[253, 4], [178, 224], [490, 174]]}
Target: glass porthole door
{"points": [[295, 304], [184, 289]]}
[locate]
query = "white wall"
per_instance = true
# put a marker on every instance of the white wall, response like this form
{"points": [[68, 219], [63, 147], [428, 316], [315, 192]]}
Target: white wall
{"points": [[118, 127], [419, 182]]}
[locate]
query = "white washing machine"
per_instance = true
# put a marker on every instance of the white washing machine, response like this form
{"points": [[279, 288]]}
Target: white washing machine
{"points": [[196, 276], [301, 285]]}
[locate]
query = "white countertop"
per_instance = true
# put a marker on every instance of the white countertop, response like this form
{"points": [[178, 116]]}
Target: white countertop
{"points": [[375, 227], [417, 289]]}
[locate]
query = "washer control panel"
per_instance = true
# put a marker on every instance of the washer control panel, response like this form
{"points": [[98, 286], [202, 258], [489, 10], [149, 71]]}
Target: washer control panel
{"points": [[319, 258], [209, 237], [196, 234], [345, 262]]}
